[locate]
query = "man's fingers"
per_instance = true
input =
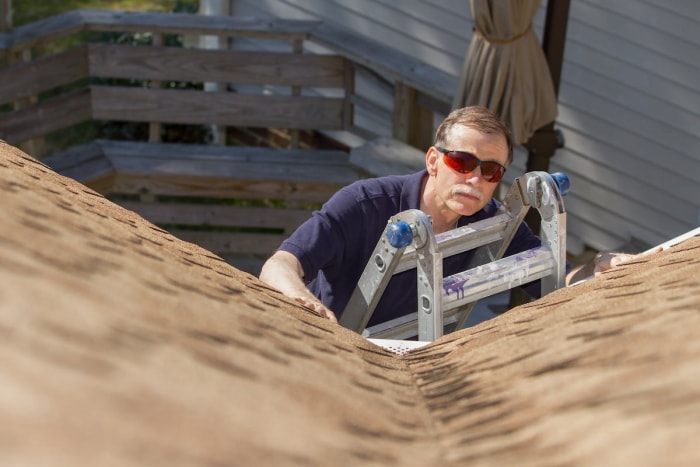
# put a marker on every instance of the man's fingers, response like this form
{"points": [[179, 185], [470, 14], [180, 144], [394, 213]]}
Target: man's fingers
{"points": [[317, 307], [607, 259], [616, 260], [325, 313], [331, 316]]}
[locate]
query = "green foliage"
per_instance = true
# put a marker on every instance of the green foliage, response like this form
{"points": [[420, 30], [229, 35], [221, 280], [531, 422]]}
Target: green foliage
{"points": [[27, 11], [138, 131], [33, 10]]}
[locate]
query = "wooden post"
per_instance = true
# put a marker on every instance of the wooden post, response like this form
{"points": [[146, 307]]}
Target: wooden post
{"points": [[5, 26], [349, 94], [297, 47], [543, 144], [36, 147], [412, 123], [215, 8], [5, 15], [155, 128]]}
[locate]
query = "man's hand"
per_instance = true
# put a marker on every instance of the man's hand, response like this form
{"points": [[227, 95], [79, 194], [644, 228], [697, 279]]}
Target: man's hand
{"points": [[317, 307], [606, 260], [603, 261], [284, 272]]}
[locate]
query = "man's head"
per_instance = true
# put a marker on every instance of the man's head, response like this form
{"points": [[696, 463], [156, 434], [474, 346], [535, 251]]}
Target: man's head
{"points": [[476, 117], [471, 147]]}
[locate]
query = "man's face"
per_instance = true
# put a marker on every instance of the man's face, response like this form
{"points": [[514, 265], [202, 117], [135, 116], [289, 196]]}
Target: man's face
{"points": [[466, 193]]}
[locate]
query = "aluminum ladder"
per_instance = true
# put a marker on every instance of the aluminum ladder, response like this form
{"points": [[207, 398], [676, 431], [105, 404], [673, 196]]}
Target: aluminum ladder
{"points": [[409, 242]]}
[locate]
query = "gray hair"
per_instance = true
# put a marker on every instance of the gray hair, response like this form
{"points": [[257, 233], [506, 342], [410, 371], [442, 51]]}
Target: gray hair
{"points": [[478, 118]]}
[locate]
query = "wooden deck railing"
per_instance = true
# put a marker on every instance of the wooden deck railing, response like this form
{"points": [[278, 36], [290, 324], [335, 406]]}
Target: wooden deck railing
{"points": [[59, 73], [38, 64]]}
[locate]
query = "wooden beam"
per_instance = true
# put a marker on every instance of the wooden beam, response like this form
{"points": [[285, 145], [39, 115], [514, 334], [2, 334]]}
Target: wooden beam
{"points": [[387, 156], [32, 78], [178, 64], [262, 168], [182, 213], [412, 123], [173, 151], [221, 187], [228, 172], [75, 157], [5, 15], [98, 174], [186, 23], [47, 30], [232, 242], [45, 117], [66, 24], [221, 108]]}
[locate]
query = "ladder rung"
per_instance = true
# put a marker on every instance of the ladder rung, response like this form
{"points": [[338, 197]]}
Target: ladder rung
{"points": [[464, 238], [491, 278], [403, 327], [469, 286]]}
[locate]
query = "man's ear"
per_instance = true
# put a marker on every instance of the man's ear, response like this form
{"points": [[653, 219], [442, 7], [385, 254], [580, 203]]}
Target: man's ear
{"points": [[431, 160]]}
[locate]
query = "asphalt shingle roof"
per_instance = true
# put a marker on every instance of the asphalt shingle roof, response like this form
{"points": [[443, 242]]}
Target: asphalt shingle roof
{"points": [[122, 345]]}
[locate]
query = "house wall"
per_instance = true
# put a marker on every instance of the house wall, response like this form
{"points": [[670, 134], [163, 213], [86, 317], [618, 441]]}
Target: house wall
{"points": [[628, 102]]}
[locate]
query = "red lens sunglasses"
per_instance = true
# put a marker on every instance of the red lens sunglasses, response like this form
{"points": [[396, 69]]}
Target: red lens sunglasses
{"points": [[465, 162]]}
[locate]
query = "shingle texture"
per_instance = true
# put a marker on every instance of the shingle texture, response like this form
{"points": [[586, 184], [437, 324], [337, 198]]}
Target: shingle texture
{"points": [[122, 345]]}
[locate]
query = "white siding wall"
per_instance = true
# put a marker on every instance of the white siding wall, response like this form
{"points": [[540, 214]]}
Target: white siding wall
{"points": [[629, 101]]}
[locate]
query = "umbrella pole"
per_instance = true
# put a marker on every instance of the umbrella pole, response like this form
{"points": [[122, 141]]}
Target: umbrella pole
{"points": [[544, 143]]}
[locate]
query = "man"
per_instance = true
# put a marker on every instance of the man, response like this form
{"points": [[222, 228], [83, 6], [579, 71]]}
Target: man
{"points": [[320, 264]]}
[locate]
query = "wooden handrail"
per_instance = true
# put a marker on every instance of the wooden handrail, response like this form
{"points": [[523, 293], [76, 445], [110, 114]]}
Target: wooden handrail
{"points": [[419, 89], [54, 80], [67, 24], [396, 66]]}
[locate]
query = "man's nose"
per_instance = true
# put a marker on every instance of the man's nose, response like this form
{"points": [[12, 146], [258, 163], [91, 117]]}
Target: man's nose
{"points": [[474, 177]]}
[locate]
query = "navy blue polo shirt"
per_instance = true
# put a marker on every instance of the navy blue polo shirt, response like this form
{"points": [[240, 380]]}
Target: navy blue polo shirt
{"points": [[334, 245]]}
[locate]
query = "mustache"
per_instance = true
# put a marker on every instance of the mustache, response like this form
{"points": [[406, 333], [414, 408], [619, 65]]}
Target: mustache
{"points": [[467, 190]]}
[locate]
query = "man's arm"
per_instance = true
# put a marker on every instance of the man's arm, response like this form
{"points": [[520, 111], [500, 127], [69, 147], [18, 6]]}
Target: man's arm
{"points": [[283, 271], [602, 262]]}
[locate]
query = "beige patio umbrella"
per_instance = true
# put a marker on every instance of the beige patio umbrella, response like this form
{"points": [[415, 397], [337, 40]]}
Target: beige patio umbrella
{"points": [[506, 69]]}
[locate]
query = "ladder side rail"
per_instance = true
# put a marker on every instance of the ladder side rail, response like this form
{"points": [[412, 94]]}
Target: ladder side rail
{"points": [[429, 282], [370, 288], [554, 234], [470, 286], [550, 205], [516, 204], [382, 266]]}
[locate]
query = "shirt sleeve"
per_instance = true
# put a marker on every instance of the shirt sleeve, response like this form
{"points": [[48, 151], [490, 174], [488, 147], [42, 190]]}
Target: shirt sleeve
{"points": [[319, 243]]}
